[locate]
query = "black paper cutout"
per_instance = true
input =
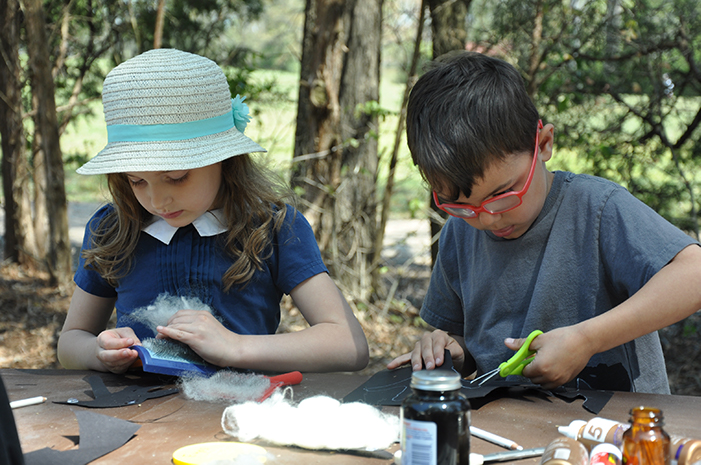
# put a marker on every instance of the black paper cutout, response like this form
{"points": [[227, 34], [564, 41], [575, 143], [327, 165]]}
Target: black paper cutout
{"points": [[594, 400], [130, 395], [603, 377], [99, 435], [390, 387]]}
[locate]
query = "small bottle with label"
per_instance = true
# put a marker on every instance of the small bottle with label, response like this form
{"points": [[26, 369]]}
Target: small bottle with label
{"points": [[646, 442], [565, 451], [684, 451], [605, 454], [595, 431], [435, 420]]}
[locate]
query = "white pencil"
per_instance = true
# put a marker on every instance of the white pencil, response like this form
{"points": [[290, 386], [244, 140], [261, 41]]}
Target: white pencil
{"points": [[26, 402], [493, 438]]}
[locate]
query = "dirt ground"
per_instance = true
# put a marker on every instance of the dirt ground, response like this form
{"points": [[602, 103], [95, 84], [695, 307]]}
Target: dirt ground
{"points": [[32, 313]]}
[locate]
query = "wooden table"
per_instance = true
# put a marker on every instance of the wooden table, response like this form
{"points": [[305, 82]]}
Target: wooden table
{"points": [[171, 422]]}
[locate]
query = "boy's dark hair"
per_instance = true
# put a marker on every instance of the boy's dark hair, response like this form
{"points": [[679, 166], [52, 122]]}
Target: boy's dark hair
{"points": [[467, 111]]}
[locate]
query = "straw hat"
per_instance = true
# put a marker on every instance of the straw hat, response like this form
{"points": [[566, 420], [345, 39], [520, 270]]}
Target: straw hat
{"points": [[169, 110]]}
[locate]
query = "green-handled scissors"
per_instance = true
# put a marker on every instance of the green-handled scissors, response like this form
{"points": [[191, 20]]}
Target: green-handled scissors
{"points": [[514, 365]]}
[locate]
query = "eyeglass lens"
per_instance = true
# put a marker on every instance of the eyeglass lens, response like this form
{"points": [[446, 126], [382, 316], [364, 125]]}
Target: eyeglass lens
{"points": [[497, 206]]}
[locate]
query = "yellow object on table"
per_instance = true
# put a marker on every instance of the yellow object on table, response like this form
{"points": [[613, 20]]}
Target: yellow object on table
{"points": [[197, 454]]}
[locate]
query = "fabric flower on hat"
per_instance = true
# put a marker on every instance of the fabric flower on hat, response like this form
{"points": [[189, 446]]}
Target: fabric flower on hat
{"points": [[240, 110]]}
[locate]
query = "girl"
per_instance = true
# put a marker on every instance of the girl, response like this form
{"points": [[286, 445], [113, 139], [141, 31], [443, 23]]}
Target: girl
{"points": [[193, 216]]}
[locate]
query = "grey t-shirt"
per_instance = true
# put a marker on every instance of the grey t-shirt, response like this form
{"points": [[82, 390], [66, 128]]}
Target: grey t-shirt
{"points": [[592, 246]]}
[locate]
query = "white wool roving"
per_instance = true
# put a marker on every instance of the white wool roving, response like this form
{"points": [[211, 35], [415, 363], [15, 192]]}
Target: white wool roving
{"points": [[319, 422], [164, 307], [224, 386]]}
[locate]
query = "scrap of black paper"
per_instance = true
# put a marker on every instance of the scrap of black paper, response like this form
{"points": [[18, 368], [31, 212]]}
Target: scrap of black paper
{"points": [[594, 401], [130, 395], [390, 387], [99, 435]]}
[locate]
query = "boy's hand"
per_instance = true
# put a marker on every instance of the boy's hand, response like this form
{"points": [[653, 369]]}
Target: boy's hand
{"points": [[561, 354], [200, 330], [113, 349], [429, 352]]}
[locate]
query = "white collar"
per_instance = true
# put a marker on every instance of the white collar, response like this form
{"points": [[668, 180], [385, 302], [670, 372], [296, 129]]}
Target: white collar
{"points": [[210, 223]]}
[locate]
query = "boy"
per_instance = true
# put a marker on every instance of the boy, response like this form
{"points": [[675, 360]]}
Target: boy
{"points": [[575, 256]]}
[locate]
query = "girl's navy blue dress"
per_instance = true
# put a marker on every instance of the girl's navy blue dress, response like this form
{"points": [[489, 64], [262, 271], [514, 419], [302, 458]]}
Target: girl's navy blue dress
{"points": [[193, 266]]}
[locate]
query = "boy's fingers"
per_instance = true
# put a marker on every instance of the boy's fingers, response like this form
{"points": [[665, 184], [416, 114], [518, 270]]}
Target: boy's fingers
{"points": [[399, 361], [513, 344], [428, 352], [430, 360], [438, 355], [424, 355]]}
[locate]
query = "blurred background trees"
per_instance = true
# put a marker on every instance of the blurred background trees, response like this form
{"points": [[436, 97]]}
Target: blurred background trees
{"points": [[619, 79]]}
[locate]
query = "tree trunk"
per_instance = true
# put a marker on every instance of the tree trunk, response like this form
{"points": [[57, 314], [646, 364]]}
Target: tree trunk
{"points": [[449, 31], [39, 178], [389, 186], [158, 32], [613, 36], [335, 156], [47, 148], [536, 53], [448, 25], [19, 234]]}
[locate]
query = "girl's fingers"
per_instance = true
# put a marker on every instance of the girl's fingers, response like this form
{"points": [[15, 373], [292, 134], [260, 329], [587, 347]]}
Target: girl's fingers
{"points": [[113, 341]]}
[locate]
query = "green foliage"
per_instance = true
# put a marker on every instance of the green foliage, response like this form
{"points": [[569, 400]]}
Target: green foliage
{"points": [[690, 330], [195, 26], [275, 35], [242, 82], [415, 206], [371, 109]]}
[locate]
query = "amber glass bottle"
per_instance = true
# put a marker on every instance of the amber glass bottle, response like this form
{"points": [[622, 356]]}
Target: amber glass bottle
{"points": [[646, 442]]}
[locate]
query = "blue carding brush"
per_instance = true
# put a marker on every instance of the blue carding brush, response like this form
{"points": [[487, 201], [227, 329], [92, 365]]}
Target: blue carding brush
{"points": [[170, 357]]}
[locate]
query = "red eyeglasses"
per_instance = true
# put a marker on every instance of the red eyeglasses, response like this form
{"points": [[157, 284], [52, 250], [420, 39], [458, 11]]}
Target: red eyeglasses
{"points": [[499, 204]]}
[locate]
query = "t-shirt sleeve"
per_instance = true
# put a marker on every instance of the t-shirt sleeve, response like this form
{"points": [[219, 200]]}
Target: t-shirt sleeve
{"points": [[442, 306], [87, 278], [296, 256], [636, 242]]}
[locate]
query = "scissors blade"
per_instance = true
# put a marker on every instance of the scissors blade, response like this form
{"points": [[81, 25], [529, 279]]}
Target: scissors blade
{"points": [[485, 377], [492, 375]]}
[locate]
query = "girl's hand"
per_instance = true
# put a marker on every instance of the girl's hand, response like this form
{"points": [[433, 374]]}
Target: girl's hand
{"points": [[201, 331], [113, 349], [429, 352], [561, 355]]}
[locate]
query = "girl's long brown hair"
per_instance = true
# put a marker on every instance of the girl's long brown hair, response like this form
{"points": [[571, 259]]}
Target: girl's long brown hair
{"points": [[254, 207]]}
